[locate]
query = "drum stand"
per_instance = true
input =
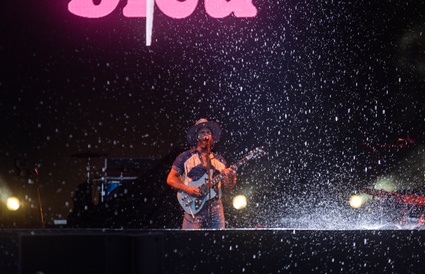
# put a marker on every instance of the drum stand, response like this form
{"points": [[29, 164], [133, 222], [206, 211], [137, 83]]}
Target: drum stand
{"points": [[93, 184], [40, 205]]}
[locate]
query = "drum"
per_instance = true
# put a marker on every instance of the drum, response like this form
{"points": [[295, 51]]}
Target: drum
{"points": [[110, 186]]}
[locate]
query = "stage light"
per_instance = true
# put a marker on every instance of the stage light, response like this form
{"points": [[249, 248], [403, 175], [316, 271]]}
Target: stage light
{"points": [[356, 201], [13, 203], [387, 183], [239, 202]]}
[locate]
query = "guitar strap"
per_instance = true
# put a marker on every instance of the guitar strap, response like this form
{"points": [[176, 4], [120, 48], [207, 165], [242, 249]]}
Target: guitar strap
{"points": [[209, 155], [212, 167]]}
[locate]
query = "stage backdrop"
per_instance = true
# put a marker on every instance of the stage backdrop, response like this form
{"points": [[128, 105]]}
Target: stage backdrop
{"points": [[332, 90]]}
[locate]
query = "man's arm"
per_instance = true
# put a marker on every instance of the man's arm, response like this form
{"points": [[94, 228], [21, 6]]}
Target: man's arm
{"points": [[174, 180]]}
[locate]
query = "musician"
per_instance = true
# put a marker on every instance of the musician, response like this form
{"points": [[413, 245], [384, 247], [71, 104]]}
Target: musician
{"points": [[191, 166]]}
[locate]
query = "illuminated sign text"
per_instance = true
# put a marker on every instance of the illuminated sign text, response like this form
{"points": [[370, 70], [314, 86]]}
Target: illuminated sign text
{"points": [[172, 8]]}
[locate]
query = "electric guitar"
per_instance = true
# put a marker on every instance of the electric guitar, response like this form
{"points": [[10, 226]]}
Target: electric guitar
{"points": [[193, 205]]}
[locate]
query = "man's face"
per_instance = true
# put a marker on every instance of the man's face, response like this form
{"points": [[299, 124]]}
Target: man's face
{"points": [[204, 131]]}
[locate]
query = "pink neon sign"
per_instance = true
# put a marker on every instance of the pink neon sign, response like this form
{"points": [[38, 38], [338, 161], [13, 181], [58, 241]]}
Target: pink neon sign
{"points": [[172, 8]]}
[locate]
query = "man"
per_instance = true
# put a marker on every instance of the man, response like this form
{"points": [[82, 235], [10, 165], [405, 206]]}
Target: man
{"points": [[202, 204]]}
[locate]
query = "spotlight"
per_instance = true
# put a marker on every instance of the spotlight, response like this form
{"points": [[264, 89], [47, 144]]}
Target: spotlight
{"points": [[356, 201], [387, 183], [13, 203], [239, 202]]}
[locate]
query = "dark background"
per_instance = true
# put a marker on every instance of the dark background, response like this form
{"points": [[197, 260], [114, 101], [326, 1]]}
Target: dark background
{"points": [[328, 88]]}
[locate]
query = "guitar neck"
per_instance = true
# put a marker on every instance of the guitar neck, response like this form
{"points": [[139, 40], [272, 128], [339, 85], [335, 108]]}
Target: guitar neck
{"points": [[235, 166]]}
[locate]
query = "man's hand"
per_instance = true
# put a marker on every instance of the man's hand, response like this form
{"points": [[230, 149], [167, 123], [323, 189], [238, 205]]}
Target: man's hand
{"points": [[193, 191], [229, 172], [230, 180]]}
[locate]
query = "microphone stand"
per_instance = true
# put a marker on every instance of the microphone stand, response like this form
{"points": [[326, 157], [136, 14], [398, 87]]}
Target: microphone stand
{"points": [[209, 179], [40, 206]]}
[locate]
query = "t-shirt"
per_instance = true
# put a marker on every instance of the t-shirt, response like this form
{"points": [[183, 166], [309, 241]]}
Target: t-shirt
{"points": [[189, 164]]}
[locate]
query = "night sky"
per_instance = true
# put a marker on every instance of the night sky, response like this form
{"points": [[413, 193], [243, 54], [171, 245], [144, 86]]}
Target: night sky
{"points": [[327, 88]]}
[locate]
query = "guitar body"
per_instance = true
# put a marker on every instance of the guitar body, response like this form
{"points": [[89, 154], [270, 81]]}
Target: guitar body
{"points": [[193, 205]]}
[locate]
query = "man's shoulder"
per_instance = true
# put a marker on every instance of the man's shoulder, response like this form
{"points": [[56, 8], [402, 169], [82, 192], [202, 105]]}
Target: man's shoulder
{"points": [[219, 157], [186, 154]]}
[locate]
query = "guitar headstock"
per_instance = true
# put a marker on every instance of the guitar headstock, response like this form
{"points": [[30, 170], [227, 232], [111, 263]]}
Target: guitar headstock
{"points": [[255, 153]]}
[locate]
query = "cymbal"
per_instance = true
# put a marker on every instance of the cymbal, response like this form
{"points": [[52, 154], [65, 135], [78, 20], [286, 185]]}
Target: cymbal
{"points": [[412, 199], [399, 143], [88, 155], [120, 170], [402, 198]]}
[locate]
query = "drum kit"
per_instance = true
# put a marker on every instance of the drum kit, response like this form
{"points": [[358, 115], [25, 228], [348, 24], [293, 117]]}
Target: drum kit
{"points": [[412, 203], [113, 177], [408, 202]]}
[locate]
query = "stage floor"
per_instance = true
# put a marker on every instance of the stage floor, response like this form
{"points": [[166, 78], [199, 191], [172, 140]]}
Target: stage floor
{"points": [[212, 251]]}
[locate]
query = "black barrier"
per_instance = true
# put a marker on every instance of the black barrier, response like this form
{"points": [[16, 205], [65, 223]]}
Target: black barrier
{"points": [[90, 253], [213, 251]]}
